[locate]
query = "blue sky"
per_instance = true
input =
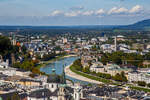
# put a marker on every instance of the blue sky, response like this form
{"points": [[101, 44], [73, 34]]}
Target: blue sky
{"points": [[73, 12]]}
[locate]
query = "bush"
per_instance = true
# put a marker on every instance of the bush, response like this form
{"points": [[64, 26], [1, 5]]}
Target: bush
{"points": [[120, 77], [86, 70], [148, 85], [141, 83], [108, 76]]}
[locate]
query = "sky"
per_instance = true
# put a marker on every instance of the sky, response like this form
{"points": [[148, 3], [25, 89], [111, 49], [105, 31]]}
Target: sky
{"points": [[73, 12]]}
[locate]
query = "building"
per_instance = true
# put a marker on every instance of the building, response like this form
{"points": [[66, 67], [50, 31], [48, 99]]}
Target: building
{"points": [[56, 89], [120, 38], [138, 76], [65, 40], [4, 64]]}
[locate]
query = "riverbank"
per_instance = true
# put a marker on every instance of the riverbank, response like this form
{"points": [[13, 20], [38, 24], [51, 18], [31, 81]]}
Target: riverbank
{"points": [[69, 73]]}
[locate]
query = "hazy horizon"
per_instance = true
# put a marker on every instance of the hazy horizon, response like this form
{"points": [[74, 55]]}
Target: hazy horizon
{"points": [[73, 12]]}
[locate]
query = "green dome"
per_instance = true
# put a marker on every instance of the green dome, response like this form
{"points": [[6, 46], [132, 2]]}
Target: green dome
{"points": [[53, 78]]}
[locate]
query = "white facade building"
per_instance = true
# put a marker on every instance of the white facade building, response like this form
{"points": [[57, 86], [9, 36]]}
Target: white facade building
{"points": [[137, 76], [4, 64]]}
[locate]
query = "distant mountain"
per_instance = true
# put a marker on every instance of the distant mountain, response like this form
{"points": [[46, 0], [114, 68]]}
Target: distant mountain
{"points": [[141, 25]]}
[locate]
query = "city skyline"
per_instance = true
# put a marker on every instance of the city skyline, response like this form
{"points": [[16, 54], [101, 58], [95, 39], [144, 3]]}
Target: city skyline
{"points": [[73, 12]]}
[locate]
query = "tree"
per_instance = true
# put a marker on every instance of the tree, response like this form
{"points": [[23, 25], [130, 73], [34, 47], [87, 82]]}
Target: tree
{"points": [[124, 78], [141, 83], [26, 65], [117, 77], [148, 85], [86, 70], [94, 48], [77, 65], [57, 48], [118, 57], [108, 76], [5, 46], [120, 77], [35, 71], [24, 49], [15, 96]]}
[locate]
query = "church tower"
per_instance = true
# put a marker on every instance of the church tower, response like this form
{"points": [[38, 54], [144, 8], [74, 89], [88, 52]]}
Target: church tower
{"points": [[12, 58], [77, 92], [115, 42], [14, 40], [63, 76], [61, 93]]}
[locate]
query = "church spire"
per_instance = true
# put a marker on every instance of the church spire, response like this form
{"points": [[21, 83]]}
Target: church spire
{"points": [[63, 76]]}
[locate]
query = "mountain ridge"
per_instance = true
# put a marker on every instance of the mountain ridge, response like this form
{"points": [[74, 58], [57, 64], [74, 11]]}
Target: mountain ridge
{"points": [[140, 25]]}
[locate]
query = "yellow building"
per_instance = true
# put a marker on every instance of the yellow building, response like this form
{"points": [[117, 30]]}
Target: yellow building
{"points": [[28, 82]]}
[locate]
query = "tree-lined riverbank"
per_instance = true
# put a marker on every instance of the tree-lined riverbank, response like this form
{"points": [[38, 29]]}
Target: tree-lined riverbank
{"points": [[72, 74]]}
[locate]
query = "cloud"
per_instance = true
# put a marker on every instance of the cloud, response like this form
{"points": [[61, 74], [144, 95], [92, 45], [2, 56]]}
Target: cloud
{"points": [[77, 8], [56, 13], [72, 14], [85, 13], [99, 12], [88, 13], [121, 11], [116, 10], [136, 9]]}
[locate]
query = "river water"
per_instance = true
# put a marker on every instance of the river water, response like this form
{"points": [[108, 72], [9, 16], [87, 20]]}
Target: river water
{"points": [[58, 65]]}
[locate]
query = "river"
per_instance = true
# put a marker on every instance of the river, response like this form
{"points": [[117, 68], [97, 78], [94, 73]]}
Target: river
{"points": [[58, 65]]}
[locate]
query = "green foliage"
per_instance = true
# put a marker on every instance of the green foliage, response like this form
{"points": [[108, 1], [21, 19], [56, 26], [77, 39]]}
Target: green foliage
{"points": [[118, 57], [47, 57], [86, 70], [148, 85], [24, 49], [77, 65], [117, 77], [104, 59], [141, 83], [57, 48], [15, 96], [124, 78], [5, 46], [104, 75], [120, 77], [147, 56], [26, 65], [94, 48]]}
